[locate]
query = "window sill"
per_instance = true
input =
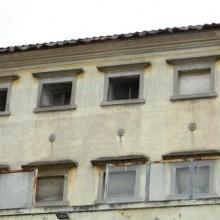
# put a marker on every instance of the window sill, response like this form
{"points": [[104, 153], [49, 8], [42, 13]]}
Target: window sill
{"points": [[6, 113], [123, 102], [178, 197], [195, 197], [54, 203], [195, 96], [38, 210], [54, 108], [118, 201]]}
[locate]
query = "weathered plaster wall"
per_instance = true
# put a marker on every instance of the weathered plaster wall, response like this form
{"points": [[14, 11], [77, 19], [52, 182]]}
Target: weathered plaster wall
{"points": [[173, 213], [157, 127]]}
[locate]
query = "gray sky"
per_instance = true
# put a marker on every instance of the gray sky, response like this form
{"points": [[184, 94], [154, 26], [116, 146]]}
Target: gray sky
{"points": [[37, 21]]}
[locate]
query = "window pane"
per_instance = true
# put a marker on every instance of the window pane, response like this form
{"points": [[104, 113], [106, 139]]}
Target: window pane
{"points": [[121, 184], [50, 189], [201, 179], [194, 82], [122, 88], [182, 180], [55, 94], [3, 99], [16, 190]]}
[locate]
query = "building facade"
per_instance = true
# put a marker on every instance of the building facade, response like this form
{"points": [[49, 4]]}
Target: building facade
{"points": [[112, 128]]}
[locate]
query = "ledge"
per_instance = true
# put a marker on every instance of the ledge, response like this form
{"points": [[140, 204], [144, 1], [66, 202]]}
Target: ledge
{"points": [[108, 207], [5, 113], [123, 102], [60, 73], [191, 154], [4, 168], [49, 204], [55, 108], [9, 77], [124, 67], [194, 96], [43, 164], [188, 60], [121, 159]]}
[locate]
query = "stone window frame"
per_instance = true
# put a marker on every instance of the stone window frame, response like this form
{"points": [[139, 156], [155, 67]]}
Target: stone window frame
{"points": [[191, 64], [6, 83], [53, 173], [191, 164], [123, 70], [60, 76]]}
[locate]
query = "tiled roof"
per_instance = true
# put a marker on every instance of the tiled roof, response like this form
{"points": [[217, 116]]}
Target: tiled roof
{"points": [[67, 43]]}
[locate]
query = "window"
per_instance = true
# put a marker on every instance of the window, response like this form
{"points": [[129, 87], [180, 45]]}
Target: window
{"points": [[123, 88], [56, 90], [192, 180], [50, 189], [16, 189], [3, 99], [123, 84], [194, 82], [51, 184], [5, 93], [120, 184], [182, 180], [56, 94], [193, 78]]}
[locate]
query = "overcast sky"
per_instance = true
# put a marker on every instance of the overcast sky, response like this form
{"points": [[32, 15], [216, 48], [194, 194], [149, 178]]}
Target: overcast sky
{"points": [[36, 21]]}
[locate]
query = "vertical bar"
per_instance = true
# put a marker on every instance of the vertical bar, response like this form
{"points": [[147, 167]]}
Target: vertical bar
{"points": [[106, 182], [147, 186], [191, 172]]}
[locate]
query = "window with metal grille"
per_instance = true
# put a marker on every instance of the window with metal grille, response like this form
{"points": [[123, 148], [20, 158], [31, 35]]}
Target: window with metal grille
{"points": [[56, 94], [123, 88], [3, 99]]}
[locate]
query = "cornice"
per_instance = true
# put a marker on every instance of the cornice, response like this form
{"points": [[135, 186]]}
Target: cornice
{"points": [[110, 49]]}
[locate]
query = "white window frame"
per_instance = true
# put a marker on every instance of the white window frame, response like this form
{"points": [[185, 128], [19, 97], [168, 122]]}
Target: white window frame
{"points": [[192, 195], [211, 180], [173, 183], [114, 169]]}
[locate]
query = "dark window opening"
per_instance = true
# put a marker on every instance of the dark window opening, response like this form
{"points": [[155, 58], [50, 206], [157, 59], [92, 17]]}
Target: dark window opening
{"points": [[3, 99], [123, 88], [50, 189], [56, 94]]}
